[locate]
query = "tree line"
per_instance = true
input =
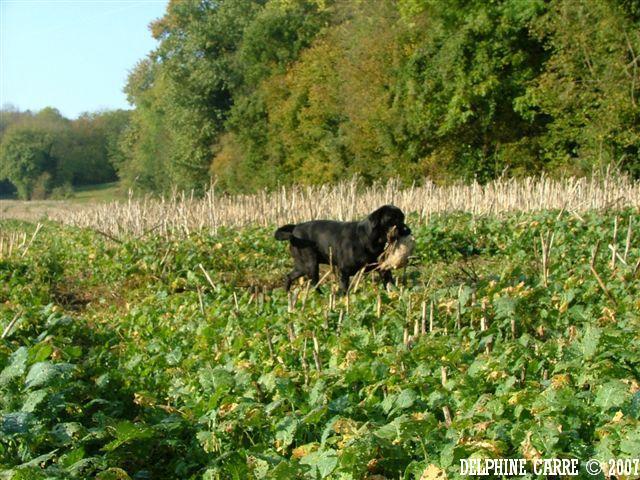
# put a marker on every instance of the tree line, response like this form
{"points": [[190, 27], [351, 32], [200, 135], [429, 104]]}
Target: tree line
{"points": [[44, 154], [256, 94]]}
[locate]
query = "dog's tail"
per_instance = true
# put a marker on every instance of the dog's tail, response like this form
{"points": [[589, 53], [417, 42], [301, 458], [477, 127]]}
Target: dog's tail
{"points": [[285, 232]]}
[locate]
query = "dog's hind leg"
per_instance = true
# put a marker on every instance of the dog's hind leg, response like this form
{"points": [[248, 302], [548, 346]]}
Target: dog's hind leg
{"points": [[344, 281], [314, 275]]}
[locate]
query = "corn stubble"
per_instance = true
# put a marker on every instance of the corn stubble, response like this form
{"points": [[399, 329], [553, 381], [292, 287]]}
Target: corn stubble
{"points": [[182, 213]]}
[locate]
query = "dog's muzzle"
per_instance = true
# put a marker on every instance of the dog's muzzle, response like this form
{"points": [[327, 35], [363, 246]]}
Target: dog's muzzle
{"points": [[404, 230]]}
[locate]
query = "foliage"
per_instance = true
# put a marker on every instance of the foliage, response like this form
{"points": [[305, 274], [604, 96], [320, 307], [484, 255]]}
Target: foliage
{"points": [[253, 94], [276, 92], [43, 152], [125, 362], [589, 86], [27, 161]]}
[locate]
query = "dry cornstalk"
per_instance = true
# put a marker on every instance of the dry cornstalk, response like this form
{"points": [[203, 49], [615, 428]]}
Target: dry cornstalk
{"points": [[235, 302], [431, 317], [291, 332], [38, 227], [355, 281], [617, 255], [447, 415], [592, 266], [459, 310], [200, 300], [8, 328], [614, 244], [306, 295], [327, 273], [183, 213], [546, 245], [269, 343], [303, 361], [206, 275], [292, 299], [627, 243], [316, 352]]}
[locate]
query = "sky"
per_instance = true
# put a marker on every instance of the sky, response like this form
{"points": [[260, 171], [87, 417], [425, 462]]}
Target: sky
{"points": [[72, 55]]}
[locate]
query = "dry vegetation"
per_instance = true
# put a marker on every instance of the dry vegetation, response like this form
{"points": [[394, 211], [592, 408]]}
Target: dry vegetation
{"points": [[181, 213]]}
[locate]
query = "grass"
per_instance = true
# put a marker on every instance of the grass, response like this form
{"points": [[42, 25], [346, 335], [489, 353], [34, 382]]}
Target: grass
{"points": [[105, 192]]}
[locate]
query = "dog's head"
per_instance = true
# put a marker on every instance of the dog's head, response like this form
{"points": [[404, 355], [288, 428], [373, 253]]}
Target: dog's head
{"points": [[384, 219]]}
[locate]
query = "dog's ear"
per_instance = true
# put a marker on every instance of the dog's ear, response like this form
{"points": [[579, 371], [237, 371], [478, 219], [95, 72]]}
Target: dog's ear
{"points": [[386, 216], [378, 217]]}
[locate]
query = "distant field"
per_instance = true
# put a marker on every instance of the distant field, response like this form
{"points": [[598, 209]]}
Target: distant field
{"points": [[105, 192], [38, 209]]}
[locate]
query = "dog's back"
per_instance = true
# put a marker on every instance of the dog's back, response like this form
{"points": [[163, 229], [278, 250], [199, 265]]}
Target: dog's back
{"points": [[285, 232]]}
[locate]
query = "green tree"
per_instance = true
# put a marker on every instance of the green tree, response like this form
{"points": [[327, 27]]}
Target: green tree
{"points": [[259, 93], [26, 160], [590, 87], [469, 62]]}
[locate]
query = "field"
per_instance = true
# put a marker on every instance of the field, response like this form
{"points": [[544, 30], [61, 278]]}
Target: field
{"points": [[35, 210], [179, 355]]}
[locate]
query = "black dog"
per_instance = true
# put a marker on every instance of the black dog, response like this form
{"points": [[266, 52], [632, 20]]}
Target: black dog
{"points": [[347, 245]]}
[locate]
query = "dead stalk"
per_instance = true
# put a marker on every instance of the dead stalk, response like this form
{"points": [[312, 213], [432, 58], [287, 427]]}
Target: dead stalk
{"points": [[269, 343], [303, 361], [592, 266], [306, 295], [181, 214], [38, 227], [614, 244], [200, 300], [546, 245], [431, 317], [316, 353], [291, 332], [206, 275], [235, 302], [13, 321], [447, 415], [627, 244]]}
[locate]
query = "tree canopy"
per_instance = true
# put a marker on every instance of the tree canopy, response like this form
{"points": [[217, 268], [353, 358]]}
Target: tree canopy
{"points": [[43, 153], [258, 93]]}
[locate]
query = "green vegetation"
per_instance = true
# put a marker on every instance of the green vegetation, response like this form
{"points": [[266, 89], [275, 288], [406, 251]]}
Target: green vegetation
{"points": [[277, 92], [260, 93], [126, 362], [46, 155], [104, 192]]}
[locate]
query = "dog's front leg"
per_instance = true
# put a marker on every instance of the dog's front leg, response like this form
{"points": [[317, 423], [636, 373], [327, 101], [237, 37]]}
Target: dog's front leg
{"points": [[386, 277], [344, 281]]}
